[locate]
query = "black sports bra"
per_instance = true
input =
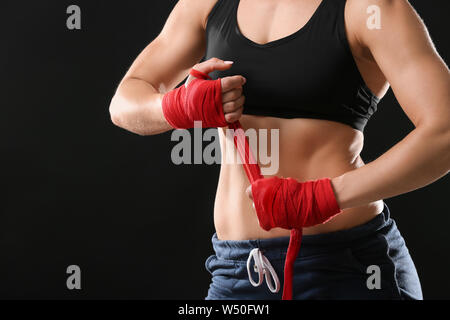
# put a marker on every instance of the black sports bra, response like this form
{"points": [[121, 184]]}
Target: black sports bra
{"points": [[308, 74]]}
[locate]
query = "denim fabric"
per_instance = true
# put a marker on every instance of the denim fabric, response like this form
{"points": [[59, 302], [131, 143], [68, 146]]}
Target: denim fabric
{"points": [[329, 266]]}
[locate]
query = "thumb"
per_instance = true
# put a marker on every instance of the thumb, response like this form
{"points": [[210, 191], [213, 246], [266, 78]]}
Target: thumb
{"points": [[248, 191], [209, 66], [213, 64]]}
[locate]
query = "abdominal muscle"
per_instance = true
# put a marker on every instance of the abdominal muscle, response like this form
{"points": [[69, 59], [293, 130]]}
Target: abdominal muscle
{"points": [[309, 149]]}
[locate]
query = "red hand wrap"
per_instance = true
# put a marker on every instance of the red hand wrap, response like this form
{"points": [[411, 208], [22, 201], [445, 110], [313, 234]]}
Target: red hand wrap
{"points": [[289, 204], [200, 101]]}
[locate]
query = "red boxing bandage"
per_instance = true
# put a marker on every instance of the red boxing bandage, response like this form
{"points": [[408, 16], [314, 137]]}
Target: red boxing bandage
{"points": [[200, 101], [289, 204]]}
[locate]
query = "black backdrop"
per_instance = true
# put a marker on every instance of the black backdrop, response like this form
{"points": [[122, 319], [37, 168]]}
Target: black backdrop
{"points": [[77, 190]]}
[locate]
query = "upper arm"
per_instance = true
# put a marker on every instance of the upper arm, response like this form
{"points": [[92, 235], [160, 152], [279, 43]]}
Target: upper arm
{"points": [[166, 61], [404, 52]]}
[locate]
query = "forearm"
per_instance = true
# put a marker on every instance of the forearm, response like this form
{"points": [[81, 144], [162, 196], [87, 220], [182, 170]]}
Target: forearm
{"points": [[421, 158], [137, 107]]}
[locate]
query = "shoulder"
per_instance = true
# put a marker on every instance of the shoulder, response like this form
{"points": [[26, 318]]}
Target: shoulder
{"points": [[364, 6], [371, 20], [197, 9]]}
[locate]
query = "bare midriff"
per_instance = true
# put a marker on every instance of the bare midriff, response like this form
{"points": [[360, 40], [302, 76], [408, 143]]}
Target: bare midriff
{"points": [[309, 149]]}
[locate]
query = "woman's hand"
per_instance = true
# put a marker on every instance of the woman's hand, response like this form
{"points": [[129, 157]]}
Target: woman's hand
{"points": [[232, 97], [289, 204]]}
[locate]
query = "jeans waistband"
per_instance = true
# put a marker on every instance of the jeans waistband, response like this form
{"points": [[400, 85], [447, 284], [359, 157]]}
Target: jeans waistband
{"points": [[275, 248]]}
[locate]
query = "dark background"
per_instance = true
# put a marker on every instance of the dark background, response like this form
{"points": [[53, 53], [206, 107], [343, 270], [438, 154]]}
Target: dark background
{"points": [[78, 190]]}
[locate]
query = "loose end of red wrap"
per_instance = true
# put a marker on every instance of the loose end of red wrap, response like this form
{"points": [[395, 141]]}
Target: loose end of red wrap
{"points": [[251, 167], [295, 241]]}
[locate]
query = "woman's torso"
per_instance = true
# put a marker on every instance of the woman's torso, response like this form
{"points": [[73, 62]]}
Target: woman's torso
{"points": [[310, 147]]}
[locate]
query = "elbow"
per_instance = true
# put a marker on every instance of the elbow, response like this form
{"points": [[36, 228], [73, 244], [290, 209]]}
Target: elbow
{"points": [[435, 134], [443, 128], [115, 112], [114, 115], [122, 118], [446, 154]]}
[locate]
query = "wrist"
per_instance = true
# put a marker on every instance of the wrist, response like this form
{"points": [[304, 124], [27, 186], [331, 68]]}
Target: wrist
{"points": [[159, 110], [340, 191]]}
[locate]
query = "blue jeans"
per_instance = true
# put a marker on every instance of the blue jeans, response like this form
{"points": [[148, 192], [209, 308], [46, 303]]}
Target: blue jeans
{"points": [[335, 265]]}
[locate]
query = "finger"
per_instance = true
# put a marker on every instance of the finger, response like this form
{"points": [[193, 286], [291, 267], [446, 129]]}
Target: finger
{"points": [[208, 66], [231, 95], [233, 106], [212, 65], [232, 82], [234, 116]]}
